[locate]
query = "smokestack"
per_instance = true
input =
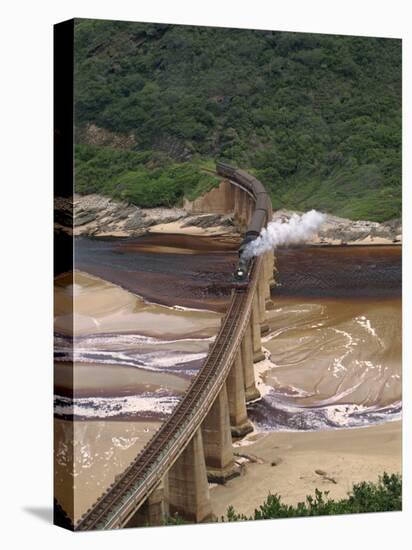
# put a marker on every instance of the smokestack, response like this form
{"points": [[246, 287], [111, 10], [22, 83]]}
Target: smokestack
{"points": [[296, 230]]}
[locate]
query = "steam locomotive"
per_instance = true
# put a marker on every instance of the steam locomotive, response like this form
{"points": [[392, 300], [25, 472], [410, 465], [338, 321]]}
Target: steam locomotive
{"points": [[260, 216]]}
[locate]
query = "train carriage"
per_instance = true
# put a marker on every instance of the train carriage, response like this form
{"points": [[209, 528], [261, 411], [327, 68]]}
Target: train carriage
{"points": [[257, 222]]}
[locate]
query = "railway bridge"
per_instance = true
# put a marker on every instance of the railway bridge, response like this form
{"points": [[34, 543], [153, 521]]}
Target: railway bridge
{"points": [[194, 446]]}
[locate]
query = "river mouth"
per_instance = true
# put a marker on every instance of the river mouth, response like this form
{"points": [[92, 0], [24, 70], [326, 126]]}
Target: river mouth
{"points": [[332, 355], [147, 311]]}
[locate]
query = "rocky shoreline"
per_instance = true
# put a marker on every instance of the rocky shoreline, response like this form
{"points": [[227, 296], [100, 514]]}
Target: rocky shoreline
{"points": [[98, 216], [342, 231]]}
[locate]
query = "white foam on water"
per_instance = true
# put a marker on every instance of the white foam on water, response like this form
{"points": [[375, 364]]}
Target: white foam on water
{"points": [[150, 361], [326, 415], [106, 407], [198, 310], [338, 366], [366, 324], [124, 350], [332, 417], [124, 443], [260, 369], [121, 340]]}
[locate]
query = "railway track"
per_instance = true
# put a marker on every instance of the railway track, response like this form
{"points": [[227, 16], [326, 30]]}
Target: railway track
{"points": [[134, 485], [135, 481]]}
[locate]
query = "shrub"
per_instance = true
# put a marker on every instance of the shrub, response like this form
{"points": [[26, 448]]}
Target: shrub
{"points": [[384, 496]]}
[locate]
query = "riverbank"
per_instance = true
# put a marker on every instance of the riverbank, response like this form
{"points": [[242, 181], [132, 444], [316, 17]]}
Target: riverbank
{"points": [[98, 216], [294, 464]]}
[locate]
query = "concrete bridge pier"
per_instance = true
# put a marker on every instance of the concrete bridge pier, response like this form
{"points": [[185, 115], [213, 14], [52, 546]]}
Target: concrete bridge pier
{"points": [[244, 210], [155, 509], [271, 269], [269, 280], [188, 486], [258, 354], [240, 425], [228, 198], [262, 292], [242, 221], [246, 201], [251, 392], [251, 210], [217, 441], [236, 205]]}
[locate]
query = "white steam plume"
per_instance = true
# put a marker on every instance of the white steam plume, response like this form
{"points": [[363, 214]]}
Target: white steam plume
{"points": [[297, 229]]}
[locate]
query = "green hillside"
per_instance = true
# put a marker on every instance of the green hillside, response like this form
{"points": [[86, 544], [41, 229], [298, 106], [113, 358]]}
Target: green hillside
{"points": [[316, 117]]}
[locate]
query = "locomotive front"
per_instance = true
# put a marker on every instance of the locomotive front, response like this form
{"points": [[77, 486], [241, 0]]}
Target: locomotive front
{"points": [[241, 271], [259, 218]]}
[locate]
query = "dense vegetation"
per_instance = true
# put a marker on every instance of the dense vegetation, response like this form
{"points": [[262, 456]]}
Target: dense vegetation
{"points": [[384, 496], [316, 117], [144, 178]]}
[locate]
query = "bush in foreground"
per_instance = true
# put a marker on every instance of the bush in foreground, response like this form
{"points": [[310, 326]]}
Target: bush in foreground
{"points": [[383, 496]]}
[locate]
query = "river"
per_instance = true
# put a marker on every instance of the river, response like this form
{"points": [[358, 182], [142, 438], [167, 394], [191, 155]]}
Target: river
{"points": [[147, 310], [334, 348]]}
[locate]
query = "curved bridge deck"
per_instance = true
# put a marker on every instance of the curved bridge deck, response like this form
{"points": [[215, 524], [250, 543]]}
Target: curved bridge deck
{"points": [[135, 484]]}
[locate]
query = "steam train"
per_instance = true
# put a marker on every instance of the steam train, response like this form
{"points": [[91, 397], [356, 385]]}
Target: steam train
{"points": [[259, 218]]}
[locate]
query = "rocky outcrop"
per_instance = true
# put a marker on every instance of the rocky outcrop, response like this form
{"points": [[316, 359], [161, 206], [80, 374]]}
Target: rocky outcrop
{"points": [[97, 216], [100, 137], [208, 220]]}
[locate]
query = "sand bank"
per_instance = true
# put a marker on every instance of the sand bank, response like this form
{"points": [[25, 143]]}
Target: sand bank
{"points": [[179, 227], [96, 380], [101, 307], [347, 456]]}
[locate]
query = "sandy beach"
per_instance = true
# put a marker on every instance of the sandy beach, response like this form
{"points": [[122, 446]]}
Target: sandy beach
{"points": [[330, 460], [92, 306], [179, 228]]}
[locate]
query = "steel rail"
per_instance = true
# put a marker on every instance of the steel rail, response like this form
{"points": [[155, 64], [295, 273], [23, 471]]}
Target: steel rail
{"points": [[120, 501]]}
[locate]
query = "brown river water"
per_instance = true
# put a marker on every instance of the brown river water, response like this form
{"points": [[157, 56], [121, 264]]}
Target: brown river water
{"points": [[334, 349], [147, 310]]}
